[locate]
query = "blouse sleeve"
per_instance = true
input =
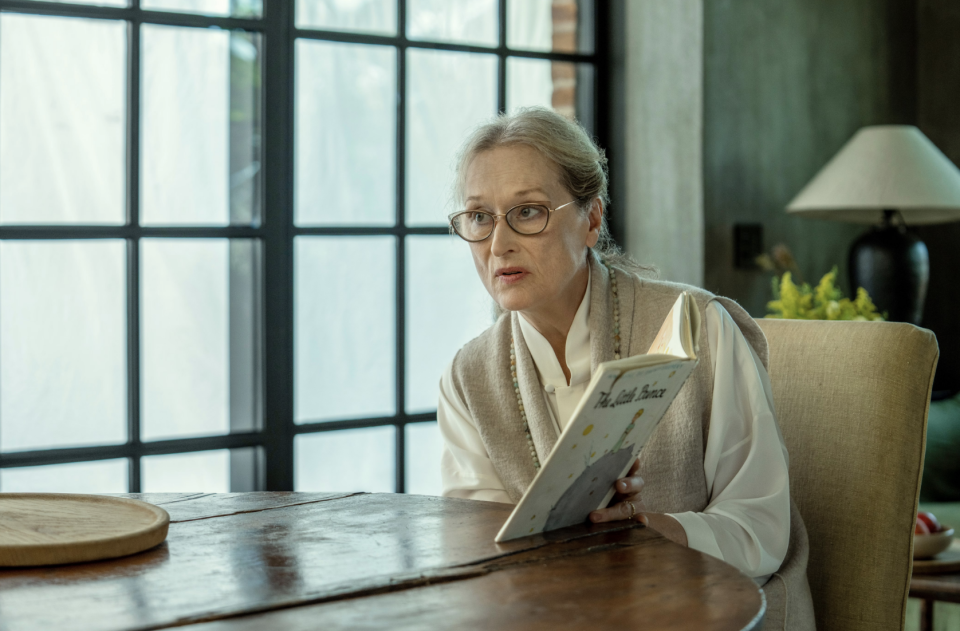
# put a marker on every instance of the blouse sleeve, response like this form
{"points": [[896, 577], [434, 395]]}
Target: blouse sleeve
{"points": [[465, 468], [747, 520]]}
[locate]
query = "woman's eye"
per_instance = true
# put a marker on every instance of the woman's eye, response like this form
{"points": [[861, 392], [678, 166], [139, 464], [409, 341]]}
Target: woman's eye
{"points": [[480, 218], [529, 212]]}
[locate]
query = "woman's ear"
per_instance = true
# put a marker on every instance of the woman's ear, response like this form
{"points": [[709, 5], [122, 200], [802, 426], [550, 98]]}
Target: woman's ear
{"points": [[594, 221]]}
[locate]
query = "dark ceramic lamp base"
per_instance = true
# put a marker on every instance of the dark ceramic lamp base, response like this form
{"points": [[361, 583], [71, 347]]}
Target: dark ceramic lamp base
{"points": [[892, 264]]}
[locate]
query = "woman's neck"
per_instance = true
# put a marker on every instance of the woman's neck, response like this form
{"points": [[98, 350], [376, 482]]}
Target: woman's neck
{"points": [[554, 319]]}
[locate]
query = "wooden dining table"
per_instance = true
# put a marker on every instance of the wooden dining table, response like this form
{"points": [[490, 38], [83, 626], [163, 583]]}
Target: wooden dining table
{"points": [[245, 561], [930, 588]]}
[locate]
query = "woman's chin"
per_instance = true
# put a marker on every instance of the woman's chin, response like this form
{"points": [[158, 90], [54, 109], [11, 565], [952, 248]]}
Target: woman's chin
{"points": [[513, 301]]}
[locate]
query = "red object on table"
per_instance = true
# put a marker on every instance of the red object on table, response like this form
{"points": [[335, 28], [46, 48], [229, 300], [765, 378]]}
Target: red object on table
{"points": [[930, 521]]}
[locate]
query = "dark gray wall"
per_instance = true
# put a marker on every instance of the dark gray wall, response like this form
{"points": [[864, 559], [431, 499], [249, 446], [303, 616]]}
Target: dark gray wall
{"points": [[938, 64], [786, 84]]}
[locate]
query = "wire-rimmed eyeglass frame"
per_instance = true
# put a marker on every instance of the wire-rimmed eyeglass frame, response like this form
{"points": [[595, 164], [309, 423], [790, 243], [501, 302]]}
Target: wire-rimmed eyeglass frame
{"points": [[510, 216]]}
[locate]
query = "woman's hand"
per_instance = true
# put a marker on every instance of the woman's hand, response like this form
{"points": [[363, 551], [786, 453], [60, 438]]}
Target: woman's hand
{"points": [[627, 500], [628, 492]]}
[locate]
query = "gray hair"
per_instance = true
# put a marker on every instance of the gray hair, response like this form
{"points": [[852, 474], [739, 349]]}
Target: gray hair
{"points": [[582, 164]]}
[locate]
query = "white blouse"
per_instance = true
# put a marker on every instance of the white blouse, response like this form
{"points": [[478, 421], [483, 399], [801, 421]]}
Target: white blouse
{"points": [[747, 520]]}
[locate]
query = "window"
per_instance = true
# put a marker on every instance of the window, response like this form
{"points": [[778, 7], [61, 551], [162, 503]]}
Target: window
{"points": [[224, 263]]}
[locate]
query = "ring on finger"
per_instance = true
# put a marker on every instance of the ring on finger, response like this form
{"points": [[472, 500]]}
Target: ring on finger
{"points": [[633, 509]]}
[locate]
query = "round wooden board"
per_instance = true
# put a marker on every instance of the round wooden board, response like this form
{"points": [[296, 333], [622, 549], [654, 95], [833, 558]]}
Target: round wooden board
{"points": [[57, 528], [946, 562]]}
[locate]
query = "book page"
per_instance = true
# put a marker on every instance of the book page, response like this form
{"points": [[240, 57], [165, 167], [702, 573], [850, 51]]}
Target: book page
{"points": [[675, 336]]}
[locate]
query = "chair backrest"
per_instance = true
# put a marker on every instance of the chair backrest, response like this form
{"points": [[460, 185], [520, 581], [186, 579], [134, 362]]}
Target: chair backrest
{"points": [[852, 401]]}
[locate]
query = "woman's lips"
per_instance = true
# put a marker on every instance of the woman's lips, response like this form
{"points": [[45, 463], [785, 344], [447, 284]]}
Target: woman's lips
{"points": [[511, 275]]}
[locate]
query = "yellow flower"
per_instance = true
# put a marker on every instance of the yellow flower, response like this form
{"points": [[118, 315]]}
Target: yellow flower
{"points": [[825, 302]]}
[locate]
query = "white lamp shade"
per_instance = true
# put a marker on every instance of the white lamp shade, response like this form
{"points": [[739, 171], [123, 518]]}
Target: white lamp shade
{"points": [[885, 167]]}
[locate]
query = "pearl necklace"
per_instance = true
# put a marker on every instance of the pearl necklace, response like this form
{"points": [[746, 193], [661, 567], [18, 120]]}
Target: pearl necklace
{"points": [[513, 363]]}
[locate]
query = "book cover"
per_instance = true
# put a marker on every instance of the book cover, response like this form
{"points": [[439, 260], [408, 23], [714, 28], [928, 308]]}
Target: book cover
{"points": [[621, 408]]}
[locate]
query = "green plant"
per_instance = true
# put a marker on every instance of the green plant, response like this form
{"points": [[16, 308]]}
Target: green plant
{"points": [[824, 302]]}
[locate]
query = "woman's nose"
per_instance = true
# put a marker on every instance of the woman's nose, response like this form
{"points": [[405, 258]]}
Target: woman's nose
{"points": [[502, 239]]}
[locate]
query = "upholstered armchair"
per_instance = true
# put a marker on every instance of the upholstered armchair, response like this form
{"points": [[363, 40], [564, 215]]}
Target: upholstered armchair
{"points": [[852, 401]]}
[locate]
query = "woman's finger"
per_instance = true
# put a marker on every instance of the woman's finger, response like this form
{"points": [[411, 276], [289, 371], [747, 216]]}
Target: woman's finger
{"points": [[631, 485], [613, 513], [618, 512]]}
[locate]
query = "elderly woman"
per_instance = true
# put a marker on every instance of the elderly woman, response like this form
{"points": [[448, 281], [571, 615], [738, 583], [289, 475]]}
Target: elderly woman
{"points": [[714, 475]]}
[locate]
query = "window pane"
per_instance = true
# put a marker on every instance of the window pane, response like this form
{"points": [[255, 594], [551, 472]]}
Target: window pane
{"points": [[62, 344], [345, 321], [448, 95], [447, 306], [199, 331], [198, 472], [562, 26], [346, 133], [200, 149], [102, 476], [245, 128], [237, 8], [367, 16], [99, 3], [565, 87], [62, 120], [462, 21], [348, 460], [423, 446]]}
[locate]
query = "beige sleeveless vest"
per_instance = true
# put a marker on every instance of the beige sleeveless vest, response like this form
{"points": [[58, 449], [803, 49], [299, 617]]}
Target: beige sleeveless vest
{"points": [[671, 463]]}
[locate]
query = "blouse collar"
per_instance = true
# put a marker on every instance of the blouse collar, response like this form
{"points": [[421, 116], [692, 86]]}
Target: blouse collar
{"points": [[577, 348]]}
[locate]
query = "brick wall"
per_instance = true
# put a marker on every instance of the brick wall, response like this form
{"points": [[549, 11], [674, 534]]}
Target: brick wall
{"points": [[564, 13]]}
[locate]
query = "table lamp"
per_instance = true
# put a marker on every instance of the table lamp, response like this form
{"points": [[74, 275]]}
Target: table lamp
{"points": [[890, 176]]}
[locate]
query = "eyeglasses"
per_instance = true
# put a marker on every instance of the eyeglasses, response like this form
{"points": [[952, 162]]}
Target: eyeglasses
{"points": [[525, 219]]}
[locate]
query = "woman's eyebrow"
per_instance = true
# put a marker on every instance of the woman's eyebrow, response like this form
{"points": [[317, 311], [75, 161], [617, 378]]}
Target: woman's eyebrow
{"points": [[528, 191], [525, 192]]}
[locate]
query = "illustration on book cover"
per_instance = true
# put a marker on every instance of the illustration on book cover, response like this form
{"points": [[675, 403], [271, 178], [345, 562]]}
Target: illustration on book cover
{"points": [[582, 496]]}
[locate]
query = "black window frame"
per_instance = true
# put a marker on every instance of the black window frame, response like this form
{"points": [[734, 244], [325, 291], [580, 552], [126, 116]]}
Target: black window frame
{"points": [[273, 466]]}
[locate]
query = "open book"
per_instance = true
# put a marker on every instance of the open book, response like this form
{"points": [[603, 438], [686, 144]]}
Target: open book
{"points": [[623, 404]]}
